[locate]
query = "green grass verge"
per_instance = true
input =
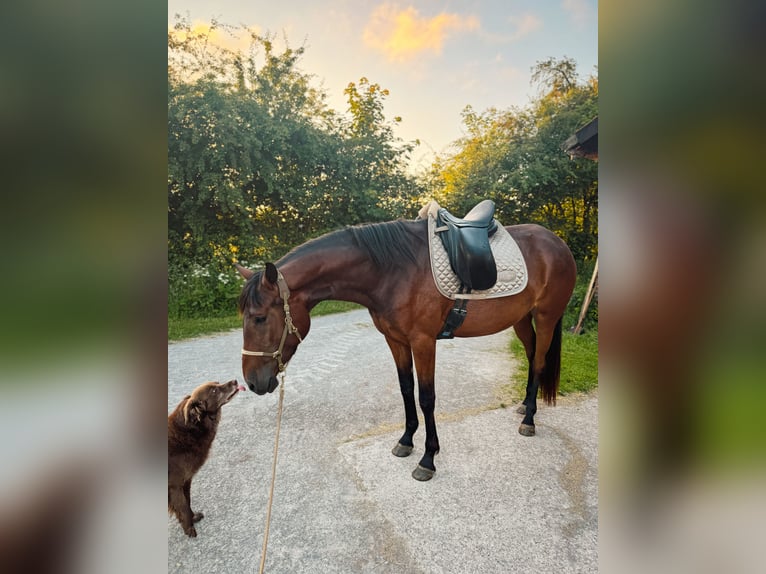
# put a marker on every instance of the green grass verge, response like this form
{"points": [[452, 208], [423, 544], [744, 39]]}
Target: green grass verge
{"points": [[579, 365], [188, 327]]}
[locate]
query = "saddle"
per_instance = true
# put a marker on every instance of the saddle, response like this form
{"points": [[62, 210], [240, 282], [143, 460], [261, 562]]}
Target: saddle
{"points": [[467, 244]]}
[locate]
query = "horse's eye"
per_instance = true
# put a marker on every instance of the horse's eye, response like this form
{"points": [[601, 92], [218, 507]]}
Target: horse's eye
{"points": [[260, 319]]}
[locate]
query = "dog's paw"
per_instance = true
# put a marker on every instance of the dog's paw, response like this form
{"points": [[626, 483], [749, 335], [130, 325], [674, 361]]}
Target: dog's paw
{"points": [[197, 517], [191, 532]]}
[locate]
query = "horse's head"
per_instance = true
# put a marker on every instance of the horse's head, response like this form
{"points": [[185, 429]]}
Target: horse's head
{"points": [[269, 327]]}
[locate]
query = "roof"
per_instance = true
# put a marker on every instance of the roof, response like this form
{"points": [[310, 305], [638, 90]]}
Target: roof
{"points": [[584, 143]]}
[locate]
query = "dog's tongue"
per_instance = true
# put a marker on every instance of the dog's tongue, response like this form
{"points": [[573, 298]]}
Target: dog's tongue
{"points": [[241, 388]]}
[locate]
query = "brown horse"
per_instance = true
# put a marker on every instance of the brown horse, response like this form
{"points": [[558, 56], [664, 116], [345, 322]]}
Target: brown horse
{"points": [[385, 267]]}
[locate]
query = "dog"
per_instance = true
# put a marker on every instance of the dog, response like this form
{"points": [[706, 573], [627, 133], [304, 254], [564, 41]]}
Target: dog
{"points": [[191, 430]]}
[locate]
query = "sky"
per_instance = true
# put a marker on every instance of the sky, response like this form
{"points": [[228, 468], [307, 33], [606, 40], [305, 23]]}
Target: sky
{"points": [[434, 57]]}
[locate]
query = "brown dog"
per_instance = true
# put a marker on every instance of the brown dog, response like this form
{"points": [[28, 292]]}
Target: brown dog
{"points": [[191, 430]]}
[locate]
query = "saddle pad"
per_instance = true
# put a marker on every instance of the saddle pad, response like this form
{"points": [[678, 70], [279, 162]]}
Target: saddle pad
{"points": [[511, 268]]}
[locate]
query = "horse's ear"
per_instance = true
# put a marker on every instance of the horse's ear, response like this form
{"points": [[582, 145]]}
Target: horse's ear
{"points": [[246, 273], [271, 273]]}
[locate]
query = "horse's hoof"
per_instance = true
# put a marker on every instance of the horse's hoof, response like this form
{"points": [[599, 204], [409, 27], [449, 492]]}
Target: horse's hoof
{"points": [[401, 450], [422, 473], [527, 430], [522, 409]]}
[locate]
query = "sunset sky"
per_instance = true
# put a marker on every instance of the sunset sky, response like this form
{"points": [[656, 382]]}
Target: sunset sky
{"points": [[434, 57]]}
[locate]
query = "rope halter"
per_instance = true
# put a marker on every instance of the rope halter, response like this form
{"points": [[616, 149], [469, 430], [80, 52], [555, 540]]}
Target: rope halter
{"points": [[289, 328]]}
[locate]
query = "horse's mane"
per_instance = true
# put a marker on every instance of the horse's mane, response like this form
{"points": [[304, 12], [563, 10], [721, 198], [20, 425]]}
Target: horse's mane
{"points": [[250, 292], [388, 244]]}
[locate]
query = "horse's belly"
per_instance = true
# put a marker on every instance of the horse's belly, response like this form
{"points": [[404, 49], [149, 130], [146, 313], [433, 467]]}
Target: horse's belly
{"points": [[488, 316]]}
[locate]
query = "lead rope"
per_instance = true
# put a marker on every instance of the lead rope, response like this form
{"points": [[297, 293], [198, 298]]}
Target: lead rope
{"points": [[289, 328], [273, 473]]}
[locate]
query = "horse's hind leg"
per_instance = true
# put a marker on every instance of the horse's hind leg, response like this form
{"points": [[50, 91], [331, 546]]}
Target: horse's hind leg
{"points": [[545, 368], [526, 334], [403, 359]]}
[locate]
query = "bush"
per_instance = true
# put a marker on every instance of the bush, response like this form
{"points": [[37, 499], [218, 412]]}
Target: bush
{"points": [[572, 313], [196, 291]]}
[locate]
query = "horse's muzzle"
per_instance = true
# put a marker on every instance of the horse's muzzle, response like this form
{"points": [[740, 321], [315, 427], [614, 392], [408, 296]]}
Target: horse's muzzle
{"points": [[259, 388]]}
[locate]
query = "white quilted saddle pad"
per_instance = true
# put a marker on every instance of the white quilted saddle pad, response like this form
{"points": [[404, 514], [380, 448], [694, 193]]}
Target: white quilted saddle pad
{"points": [[511, 268]]}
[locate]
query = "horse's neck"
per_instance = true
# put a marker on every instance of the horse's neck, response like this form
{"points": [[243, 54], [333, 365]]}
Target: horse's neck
{"points": [[339, 272]]}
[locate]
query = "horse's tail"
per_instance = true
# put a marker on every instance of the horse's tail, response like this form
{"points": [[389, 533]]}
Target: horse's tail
{"points": [[549, 378]]}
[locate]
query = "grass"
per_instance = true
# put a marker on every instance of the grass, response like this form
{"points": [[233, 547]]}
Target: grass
{"points": [[579, 365], [188, 327]]}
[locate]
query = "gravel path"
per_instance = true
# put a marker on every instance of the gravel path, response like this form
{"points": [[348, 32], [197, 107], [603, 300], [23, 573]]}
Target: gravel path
{"points": [[499, 502]]}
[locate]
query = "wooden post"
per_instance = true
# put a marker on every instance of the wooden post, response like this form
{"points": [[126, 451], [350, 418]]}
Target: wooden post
{"points": [[588, 297]]}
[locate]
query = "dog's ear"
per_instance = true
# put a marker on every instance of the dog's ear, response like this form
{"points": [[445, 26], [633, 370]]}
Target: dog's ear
{"points": [[193, 412]]}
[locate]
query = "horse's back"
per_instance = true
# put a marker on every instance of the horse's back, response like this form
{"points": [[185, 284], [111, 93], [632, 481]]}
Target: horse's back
{"points": [[548, 258], [537, 241]]}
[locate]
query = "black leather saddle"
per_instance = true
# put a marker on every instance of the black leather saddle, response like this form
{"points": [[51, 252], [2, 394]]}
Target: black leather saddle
{"points": [[467, 243]]}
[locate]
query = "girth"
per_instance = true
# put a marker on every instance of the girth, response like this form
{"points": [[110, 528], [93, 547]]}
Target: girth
{"points": [[454, 319]]}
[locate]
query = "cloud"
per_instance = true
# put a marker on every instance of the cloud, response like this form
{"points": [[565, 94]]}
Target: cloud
{"points": [[579, 10], [402, 35], [524, 25]]}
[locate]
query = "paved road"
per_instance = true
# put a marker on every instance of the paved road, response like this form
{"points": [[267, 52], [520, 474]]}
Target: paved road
{"points": [[499, 502]]}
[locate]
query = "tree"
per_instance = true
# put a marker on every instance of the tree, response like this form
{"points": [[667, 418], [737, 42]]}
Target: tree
{"points": [[257, 162], [248, 144], [557, 76], [379, 187], [514, 157]]}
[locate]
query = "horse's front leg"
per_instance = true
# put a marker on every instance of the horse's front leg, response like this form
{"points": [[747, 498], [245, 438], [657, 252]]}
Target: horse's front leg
{"points": [[425, 359], [403, 359]]}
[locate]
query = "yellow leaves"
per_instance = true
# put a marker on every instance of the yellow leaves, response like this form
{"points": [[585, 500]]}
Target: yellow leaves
{"points": [[263, 210], [214, 33]]}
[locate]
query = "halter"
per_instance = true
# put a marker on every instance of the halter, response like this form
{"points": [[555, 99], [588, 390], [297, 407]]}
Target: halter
{"points": [[289, 329]]}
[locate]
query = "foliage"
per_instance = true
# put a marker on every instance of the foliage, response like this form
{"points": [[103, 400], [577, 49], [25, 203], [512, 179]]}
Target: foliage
{"points": [[572, 313], [198, 291], [515, 157], [257, 163], [379, 189]]}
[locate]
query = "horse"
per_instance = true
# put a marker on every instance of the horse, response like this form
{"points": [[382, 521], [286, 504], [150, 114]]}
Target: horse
{"points": [[385, 267]]}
